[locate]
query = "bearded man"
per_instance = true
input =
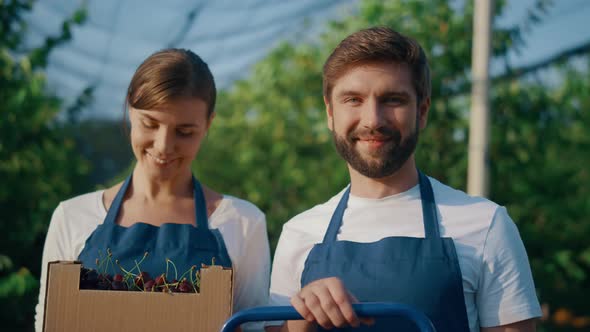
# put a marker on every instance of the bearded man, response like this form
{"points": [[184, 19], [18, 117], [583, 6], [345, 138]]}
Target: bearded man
{"points": [[395, 234]]}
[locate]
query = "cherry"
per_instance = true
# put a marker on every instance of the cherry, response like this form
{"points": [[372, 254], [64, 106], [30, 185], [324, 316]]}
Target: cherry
{"points": [[149, 286], [88, 278], [83, 272], [105, 277], [119, 285], [141, 278], [103, 284], [160, 280], [184, 287]]}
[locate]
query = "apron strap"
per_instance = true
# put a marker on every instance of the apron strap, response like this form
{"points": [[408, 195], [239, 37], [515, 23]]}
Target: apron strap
{"points": [[336, 221], [111, 217], [428, 207], [200, 205], [428, 212], [198, 196]]}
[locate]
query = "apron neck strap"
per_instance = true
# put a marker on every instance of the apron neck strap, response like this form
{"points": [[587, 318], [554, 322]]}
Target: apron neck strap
{"points": [[337, 216], [111, 217], [198, 196], [428, 212], [428, 207], [200, 205]]}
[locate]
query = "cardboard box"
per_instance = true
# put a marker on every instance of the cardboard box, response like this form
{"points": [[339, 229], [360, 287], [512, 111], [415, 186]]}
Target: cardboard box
{"points": [[68, 308]]}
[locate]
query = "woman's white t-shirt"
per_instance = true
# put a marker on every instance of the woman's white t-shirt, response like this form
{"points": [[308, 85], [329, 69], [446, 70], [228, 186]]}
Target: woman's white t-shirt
{"points": [[241, 224]]}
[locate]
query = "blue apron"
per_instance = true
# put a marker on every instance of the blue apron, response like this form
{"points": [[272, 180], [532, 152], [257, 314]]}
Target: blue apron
{"points": [[422, 272], [184, 244]]}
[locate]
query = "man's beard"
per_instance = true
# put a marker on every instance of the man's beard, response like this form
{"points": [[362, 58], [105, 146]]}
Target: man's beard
{"points": [[386, 160]]}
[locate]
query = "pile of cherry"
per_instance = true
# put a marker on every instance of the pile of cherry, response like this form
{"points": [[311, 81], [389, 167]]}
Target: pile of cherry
{"points": [[136, 280]]}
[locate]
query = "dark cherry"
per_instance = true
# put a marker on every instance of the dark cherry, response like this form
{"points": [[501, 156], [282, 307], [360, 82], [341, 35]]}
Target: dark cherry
{"points": [[160, 280], [88, 278], [142, 278], [119, 286], [149, 286], [103, 284], [185, 287]]}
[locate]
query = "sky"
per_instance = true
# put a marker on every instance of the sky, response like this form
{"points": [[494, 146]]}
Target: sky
{"points": [[565, 26], [229, 35]]}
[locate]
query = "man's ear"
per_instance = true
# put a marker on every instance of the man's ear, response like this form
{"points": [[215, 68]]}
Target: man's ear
{"points": [[329, 114], [423, 110]]}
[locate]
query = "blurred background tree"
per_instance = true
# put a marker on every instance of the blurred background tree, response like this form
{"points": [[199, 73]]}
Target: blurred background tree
{"points": [[39, 166], [270, 144]]}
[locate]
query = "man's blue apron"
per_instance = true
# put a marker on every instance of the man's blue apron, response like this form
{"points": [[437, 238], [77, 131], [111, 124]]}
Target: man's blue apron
{"points": [[422, 272], [184, 244]]}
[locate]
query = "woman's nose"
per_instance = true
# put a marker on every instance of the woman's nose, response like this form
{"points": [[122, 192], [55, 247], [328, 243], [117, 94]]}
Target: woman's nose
{"points": [[164, 142]]}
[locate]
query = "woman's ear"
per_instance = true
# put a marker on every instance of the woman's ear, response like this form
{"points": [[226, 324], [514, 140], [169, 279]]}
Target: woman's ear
{"points": [[210, 119]]}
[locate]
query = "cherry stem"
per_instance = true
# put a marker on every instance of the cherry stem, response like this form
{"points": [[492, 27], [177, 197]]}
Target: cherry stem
{"points": [[191, 276], [110, 261], [168, 260]]}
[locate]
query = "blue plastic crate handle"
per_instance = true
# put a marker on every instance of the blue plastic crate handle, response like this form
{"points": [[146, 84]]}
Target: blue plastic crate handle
{"points": [[367, 309]]}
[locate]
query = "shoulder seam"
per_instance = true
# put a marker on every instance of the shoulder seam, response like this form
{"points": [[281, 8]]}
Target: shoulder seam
{"points": [[485, 242]]}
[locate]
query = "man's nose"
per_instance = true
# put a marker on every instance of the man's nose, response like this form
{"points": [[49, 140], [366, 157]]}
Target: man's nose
{"points": [[372, 115]]}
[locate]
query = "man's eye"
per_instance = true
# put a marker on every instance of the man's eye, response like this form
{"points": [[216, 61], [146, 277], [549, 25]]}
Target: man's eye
{"points": [[353, 100], [393, 100]]}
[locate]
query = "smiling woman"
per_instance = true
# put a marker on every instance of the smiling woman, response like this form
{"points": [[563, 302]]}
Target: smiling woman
{"points": [[165, 140], [161, 209]]}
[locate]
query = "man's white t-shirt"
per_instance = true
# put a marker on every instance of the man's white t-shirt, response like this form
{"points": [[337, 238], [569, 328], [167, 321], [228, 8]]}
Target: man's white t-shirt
{"points": [[497, 282], [241, 224]]}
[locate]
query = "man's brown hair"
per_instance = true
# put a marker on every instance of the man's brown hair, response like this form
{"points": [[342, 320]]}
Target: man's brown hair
{"points": [[378, 45], [170, 74]]}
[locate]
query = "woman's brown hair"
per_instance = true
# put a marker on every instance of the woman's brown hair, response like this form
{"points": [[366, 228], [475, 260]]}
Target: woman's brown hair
{"points": [[171, 74]]}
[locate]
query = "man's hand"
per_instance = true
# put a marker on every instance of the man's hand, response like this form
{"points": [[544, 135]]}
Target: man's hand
{"points": [[327, 303]]}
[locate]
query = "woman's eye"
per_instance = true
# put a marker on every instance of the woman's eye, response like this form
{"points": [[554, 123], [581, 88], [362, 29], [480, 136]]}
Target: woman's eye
{"points": [[149, 125], [184, 133]]}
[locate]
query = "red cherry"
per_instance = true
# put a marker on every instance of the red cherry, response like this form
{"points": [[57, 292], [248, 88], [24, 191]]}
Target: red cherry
{"points": [[142, 278], [161, 280], [119, 286], [185, 287], [149, 286]]}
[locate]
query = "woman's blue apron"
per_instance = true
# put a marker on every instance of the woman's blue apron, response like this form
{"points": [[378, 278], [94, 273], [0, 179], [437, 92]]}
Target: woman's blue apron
{"points": [[184, 244], [422, 272]]}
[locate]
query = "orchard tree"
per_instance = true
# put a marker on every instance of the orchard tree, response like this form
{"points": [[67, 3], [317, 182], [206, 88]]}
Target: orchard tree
{"points": [[270, 144], [38, 164]]}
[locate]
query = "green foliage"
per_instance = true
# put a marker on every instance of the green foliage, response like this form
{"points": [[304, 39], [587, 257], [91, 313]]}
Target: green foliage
{"points": [[271, 138], [271, 128], [537, 157], [38, 164], [270, 144]]}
